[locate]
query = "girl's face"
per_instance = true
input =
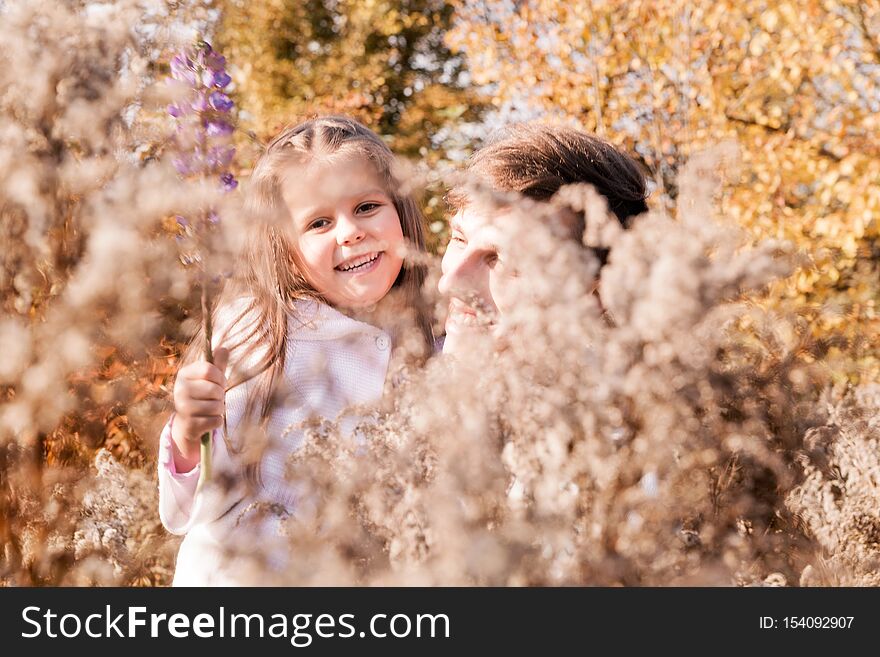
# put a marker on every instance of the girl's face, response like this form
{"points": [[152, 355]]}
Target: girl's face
{"points": [[347, 235]]}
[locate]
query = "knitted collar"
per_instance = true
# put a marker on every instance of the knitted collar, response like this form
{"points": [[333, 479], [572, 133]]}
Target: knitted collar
{"points": [[318, 321]]}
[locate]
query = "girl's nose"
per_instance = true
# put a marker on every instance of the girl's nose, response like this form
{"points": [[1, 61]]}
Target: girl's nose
{"points": [[348, 231]]}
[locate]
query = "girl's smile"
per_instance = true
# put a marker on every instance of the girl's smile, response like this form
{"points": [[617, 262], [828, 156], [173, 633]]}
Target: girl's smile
{"points": [[360, 264]]}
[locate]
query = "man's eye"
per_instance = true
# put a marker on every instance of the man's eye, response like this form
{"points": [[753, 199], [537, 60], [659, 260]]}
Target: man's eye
{"points": [[493, 260], [319, 223], [457, 238]]}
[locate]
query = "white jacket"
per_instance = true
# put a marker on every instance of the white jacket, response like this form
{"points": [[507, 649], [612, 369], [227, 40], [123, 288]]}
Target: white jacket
{"points": [[332, 362]]}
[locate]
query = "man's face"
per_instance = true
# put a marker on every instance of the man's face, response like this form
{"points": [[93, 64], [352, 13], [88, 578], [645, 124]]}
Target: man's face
{"points": [[475, 276]]}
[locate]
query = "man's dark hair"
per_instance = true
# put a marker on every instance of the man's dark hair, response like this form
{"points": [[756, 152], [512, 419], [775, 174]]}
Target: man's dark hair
{"points": [[536, 160]]}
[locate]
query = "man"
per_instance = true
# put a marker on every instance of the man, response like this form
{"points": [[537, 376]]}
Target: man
{"points": [[478, 273]]}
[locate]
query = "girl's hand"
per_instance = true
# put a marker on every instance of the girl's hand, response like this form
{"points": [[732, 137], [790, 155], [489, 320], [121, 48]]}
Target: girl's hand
{"points": [[199, 393]]}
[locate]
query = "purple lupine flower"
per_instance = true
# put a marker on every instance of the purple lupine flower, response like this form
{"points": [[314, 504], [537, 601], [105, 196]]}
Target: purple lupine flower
{"points": [[200, 103], [203, 128], [207, 78], [228, 182], [215, 61], [201, 50], [220, 101], [219, 157], [182, 69], [180, 64], [217, 128], [221, 79], [202, 141], [182, 164]]}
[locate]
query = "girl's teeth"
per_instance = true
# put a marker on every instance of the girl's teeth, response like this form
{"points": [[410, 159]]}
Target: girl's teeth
{"points": [[360, 264]]}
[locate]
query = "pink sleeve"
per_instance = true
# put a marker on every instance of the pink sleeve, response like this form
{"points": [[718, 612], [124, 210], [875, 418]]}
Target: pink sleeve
{"points": [[176, 491], [179, 506]]}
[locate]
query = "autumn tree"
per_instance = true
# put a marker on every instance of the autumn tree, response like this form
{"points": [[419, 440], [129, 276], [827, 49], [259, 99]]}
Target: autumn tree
{"points": [[794, 83]]}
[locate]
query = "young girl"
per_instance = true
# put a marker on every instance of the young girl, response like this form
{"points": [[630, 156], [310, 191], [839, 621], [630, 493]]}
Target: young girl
{"points": [[287, 325]]}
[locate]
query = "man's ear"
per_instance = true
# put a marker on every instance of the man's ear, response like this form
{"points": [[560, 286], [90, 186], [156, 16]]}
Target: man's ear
{"points": [[571, 223], [599, 227]]}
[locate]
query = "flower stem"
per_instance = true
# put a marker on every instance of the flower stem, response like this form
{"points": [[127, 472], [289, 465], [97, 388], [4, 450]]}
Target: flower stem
{"points": [[205, 446]]}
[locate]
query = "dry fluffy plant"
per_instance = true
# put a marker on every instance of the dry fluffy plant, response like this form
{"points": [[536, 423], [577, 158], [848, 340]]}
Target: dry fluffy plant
{"points": [[85, 270], [837, 501], [646, 441]]}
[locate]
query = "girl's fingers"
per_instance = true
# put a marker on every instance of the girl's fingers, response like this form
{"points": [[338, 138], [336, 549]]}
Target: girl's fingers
{"points": [[199, 389], [195, 408], [199, 393], [198, 426], [204, 371], [221, 358]]}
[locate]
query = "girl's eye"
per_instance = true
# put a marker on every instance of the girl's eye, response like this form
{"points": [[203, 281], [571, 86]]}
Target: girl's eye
{"points": [[367, 207], [319, 223]]}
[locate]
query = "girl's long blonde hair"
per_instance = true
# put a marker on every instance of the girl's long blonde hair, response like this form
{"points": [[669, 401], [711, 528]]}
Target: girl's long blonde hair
{"points": [[268, 278]]}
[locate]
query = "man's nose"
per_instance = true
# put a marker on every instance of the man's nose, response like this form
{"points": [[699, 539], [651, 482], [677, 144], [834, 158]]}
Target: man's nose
{"points": [[462, 276], [348, 230]]}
